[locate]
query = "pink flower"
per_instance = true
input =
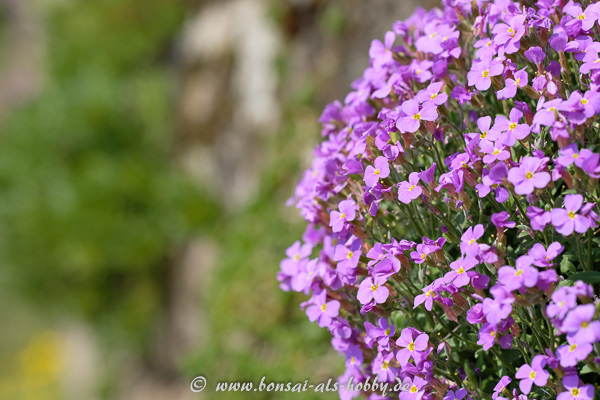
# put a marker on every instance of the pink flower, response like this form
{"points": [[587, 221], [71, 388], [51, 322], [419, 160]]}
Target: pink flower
{"points": [[408, 191]]}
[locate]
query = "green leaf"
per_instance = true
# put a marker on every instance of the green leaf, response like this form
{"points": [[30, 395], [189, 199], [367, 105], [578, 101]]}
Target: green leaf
{"points": [[590, 277], [566, 266]]}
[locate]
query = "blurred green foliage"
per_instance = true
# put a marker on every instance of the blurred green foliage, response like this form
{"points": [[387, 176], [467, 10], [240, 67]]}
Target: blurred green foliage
{"points": [[92, 203]]}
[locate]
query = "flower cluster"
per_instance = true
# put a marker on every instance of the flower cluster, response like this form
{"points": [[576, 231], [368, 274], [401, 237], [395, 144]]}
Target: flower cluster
{"points": [[452, 206]]}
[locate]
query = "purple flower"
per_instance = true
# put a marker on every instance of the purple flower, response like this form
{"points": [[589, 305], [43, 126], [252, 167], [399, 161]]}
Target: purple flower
{"points": [[526, 176], [322, 311], [347, 213], [547, 111], [500, 307], [574, 389], [381, 334], [414, 114], [509, 35], [482, 71], [543, 257], [570, 354], [427, 296], [492, 180], [411, 346], [535, 54], [348, 257], [494, 151], [354, 356], [372, 289], [297, 254], [511, 128], [591, 62], [562, 302], [570, 154], [427, 175], [579, 325], [458, 276], [381, 170], [380, 53], [408, 191], [524, 275], [500, 386], [461, 94], [510, 90], [487, 335], [500, 220], [469, 245], [432, 94], [586, 18], [381, 367], [423, 250], [565, 220], [539, 218], [458, 395], [534, 373], [415, 390]]}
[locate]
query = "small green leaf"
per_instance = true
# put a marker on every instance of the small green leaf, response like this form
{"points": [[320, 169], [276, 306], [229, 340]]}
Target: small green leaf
{"points": [[566, 266]]}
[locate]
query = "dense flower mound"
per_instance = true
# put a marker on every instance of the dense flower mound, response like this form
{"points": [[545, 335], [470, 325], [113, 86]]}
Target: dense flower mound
{"points": [[452, 207]]}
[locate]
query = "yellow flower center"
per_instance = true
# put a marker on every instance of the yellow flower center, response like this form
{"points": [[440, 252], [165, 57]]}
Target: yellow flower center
{"points": [[584, 101], [423, 256], [575, 155], [411, 346], [417, 117], [349, 255], [488, 44], [297, 257], [433, 96], [581, 16], [552, 109], [429, 292], [377, 172], [572, 347], [597, 61], [387, 332], [413, 389], [374, 287], [461, 270], [518, 81], [342, 215], [512, 125], [353, 360], [324, 307], [585, 324], [485, 73], [493, 333], [529, 175], [519, 272], [571, 215], [483, 135], [385, 365], [419, 71], [532, 375], [434, 34], [575, 392], [471, 241], [411, 188], [496, 152]]}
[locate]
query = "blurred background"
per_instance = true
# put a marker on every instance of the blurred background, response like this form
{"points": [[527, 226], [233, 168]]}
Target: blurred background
{"points": [[147, 149]]}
